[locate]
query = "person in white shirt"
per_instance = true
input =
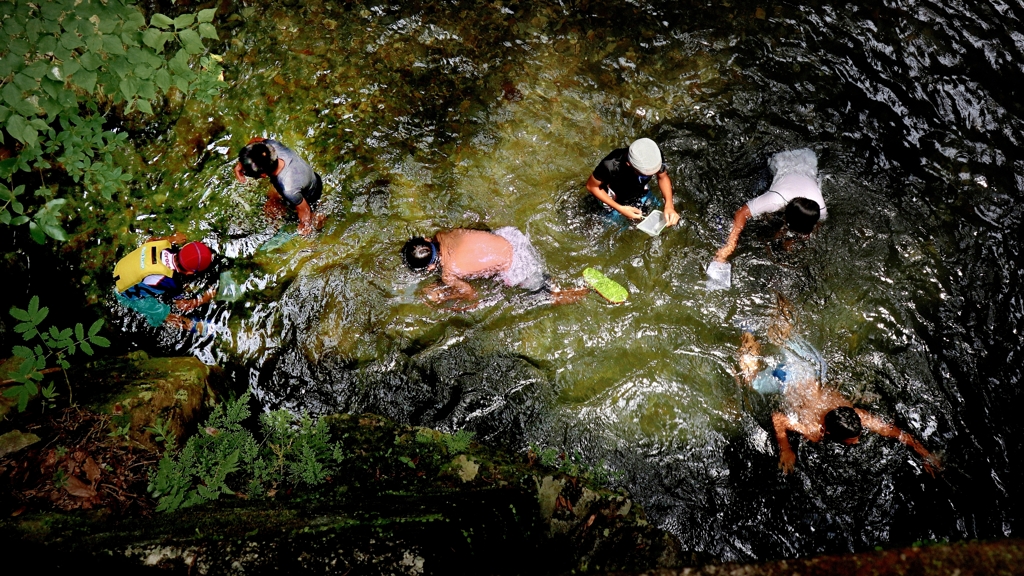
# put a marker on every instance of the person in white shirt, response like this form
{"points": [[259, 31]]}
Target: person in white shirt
{"points": [[794, 189]]}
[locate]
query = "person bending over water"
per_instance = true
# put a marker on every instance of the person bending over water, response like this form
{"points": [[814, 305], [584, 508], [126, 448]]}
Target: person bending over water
{"points": [[622, 180], [814, 411], [794, 189], [295, 182], [505, 255], [158, 270]]}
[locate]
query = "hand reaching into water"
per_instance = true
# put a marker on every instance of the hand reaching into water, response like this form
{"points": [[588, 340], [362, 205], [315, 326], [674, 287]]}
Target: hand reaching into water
{"points": [[787, 461], [671, 216]]}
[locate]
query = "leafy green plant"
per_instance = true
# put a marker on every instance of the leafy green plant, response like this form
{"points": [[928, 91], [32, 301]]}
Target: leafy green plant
{"points": [[53, 344], [459, 442], [573, 464], [61, 61], [161, 431], [122, 429], [60, 478], [296, 450]]}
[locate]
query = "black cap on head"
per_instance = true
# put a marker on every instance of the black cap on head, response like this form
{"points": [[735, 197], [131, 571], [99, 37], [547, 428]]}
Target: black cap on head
{"points": [[842, 423], [418, 254], [802, 214], [257, 159]]}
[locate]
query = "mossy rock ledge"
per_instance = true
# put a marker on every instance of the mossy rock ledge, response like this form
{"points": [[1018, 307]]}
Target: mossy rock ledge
{"points": [[403, 500]]}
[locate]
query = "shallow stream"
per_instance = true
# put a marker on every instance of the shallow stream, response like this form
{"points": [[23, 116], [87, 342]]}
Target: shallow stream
{"points": [[429, 115]]}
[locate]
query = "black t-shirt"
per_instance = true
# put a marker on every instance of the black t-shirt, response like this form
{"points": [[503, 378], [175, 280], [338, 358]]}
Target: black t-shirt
{"points": [[620, 179]]}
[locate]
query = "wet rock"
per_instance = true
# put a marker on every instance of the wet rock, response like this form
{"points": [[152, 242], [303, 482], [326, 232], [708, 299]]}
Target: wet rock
{"points": [[145, 393], [16, 440]]}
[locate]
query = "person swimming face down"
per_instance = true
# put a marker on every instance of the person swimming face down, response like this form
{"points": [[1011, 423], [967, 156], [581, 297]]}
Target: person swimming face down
{"points": [[843, 425], [421, 255], [802, 214]]}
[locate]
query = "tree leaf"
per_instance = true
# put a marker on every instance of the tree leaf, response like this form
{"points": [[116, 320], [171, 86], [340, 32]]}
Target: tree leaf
{"points": [[37, 233], [85, 80], [55, 231], [162, 79], [191, 41], [11, 95], [112, 44], [24, 352], [184, 21], [144, 106], [70, 41], [16, 126], [19, 314], [206, 15], [51, 10], [143, 71], [25, 82], [95, 328], [154, 39], [94, 43], [47, 44], [37, 69], [79, 332], [135, 19], [90, 61], [100, 341], [208, 31], [26, 108], [86, 348], [129, 88], [160, 21]]}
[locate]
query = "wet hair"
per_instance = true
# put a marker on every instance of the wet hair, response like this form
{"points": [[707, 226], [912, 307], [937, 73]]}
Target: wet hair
{"points": [[418, 254], [842, 423], [257, 159], [802, 214]]}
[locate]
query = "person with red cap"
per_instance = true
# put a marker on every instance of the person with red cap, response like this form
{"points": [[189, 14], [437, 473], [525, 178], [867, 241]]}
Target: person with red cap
{"points": [[158, 269]]}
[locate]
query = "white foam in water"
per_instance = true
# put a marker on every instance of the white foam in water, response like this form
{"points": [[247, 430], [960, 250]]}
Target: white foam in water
{"points": [[719, 275]]}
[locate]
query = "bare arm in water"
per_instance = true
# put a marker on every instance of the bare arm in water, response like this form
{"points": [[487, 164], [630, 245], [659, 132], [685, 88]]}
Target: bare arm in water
{"points": [[739, 221], [883, 428]]}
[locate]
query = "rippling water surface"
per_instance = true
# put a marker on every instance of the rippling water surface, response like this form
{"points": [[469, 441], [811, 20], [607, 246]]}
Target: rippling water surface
{"points": [[430, 115]]}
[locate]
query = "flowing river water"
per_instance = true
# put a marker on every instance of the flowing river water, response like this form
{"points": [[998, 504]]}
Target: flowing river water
{"points": [[429, 115]]}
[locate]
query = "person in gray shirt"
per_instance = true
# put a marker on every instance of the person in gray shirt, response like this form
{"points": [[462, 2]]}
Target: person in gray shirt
{"points": [[295, 183]]}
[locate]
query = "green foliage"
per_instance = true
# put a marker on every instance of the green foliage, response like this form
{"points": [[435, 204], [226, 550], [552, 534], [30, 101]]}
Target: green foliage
{"points": [[161, 431], [59, 60], [60, 478], [294, 450], [457, 443], [52, 344], [122, 428], [572, 464]]}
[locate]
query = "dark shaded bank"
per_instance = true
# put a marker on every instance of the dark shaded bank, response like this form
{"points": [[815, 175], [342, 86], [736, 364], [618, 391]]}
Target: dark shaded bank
{"points": [[1002, 558], [403, 500]]}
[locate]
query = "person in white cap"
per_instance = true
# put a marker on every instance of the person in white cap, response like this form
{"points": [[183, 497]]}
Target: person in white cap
{"points": [[622, 180]]}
